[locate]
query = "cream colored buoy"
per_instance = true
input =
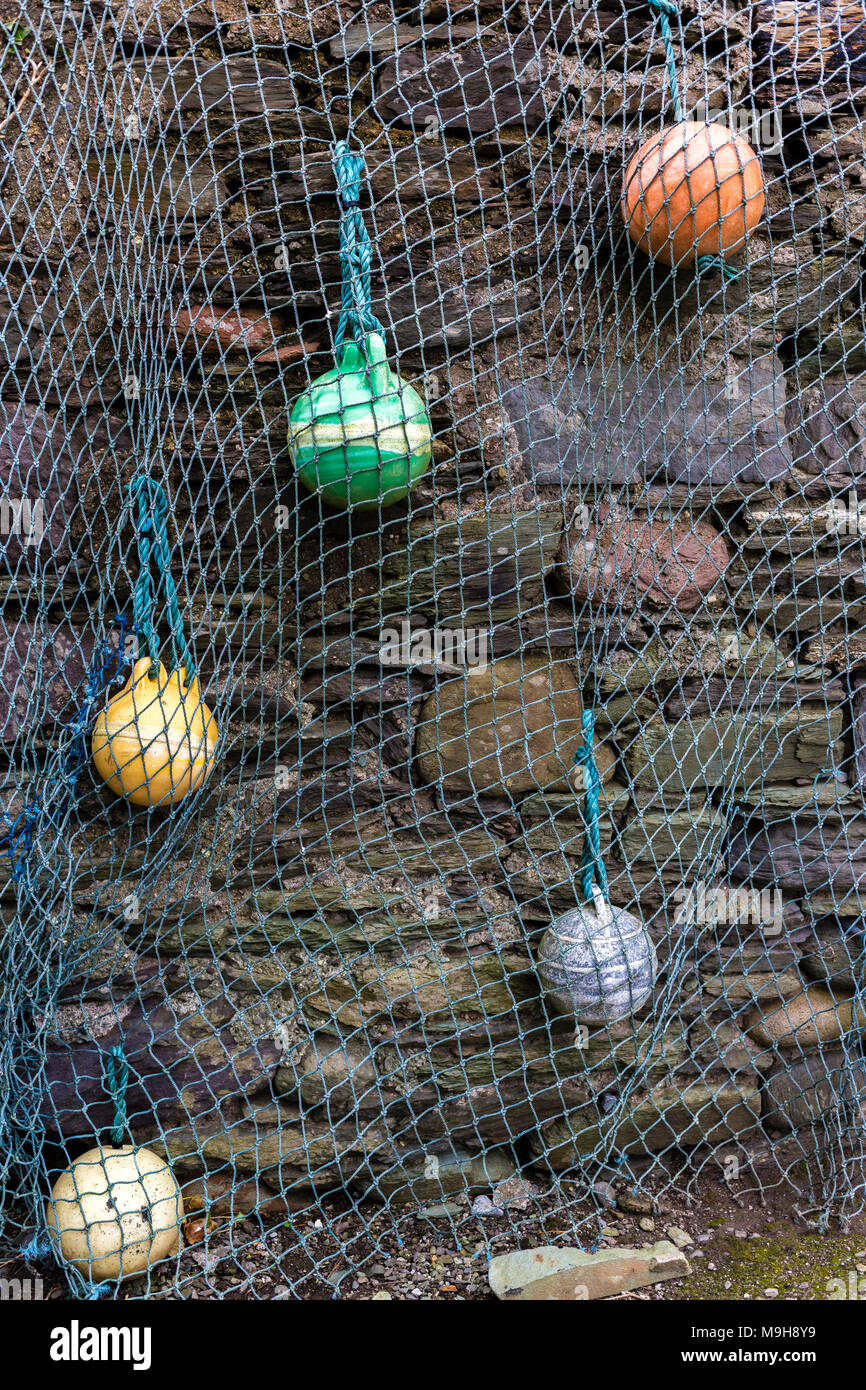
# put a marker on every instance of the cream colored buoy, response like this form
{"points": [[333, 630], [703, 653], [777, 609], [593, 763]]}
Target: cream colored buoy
{"points": [[693, 190], [115, 1212], [155, 741]]}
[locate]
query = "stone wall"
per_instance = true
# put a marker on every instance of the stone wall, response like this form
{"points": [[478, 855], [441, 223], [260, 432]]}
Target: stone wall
{"points": [[641, 500]]}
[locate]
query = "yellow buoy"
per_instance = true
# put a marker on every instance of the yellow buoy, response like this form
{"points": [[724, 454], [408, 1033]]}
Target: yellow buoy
{"points": [[156, 739], [115, 1212]]}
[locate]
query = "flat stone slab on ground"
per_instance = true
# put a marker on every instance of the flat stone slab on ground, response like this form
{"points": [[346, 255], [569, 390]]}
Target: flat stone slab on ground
{"points": [[576, 1275]]}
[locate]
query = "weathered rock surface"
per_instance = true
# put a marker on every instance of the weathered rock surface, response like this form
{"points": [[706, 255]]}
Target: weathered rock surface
{"points": [[620, 558], [711, 1111], [806, 1020], [38, 460], [551, 1273], [514, 724], [823, 1089], [192, 1048], [828, 427], [838, 958], [735, 749], [466, 569], [800, 855], [436, 1171], [578, 427], [42, 672]]}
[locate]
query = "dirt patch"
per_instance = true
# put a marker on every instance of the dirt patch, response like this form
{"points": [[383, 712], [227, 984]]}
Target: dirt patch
{"points": [[742, 1248]]}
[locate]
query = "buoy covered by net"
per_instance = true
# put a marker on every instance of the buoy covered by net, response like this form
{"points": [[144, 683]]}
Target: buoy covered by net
{"points": [[693, 191]]}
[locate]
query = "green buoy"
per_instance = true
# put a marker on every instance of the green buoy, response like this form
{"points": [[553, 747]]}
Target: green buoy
{"points": [[360, 436]]}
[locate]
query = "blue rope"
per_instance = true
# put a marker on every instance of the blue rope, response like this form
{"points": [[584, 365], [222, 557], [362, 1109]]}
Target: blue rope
{"points": [[356, 315], [116, 1080], [152, 533], [666, 10], [36, 1249], [710, 264], [60, 789], [591, 863]]}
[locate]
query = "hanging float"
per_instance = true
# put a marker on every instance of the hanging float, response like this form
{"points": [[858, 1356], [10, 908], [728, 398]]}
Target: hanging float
{"points": [[359, 436], [156, 740], [596, 962], [691, 194], [117, 1209]]}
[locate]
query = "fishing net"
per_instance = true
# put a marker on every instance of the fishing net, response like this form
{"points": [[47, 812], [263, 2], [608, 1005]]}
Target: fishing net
{"points": [[600, 654]]}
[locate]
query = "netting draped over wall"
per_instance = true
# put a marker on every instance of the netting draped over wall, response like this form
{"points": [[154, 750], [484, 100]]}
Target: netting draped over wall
{"points": [[607, 628]]}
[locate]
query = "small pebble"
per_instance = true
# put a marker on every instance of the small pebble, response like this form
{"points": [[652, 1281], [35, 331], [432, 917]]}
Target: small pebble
{"points": [[771, 1293], [482, 1206], [605, 1192], [679, 1237], [646, 1223]]}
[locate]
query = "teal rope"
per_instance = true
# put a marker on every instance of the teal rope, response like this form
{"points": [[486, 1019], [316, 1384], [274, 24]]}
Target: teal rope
{"points": [[153, 542], [706, 264], [591, 863], [356, 315], [116, 1080], [666, 10]]}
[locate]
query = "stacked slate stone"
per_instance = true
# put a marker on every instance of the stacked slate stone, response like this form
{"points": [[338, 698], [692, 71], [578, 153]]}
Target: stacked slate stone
{"points": [[640, 502]]}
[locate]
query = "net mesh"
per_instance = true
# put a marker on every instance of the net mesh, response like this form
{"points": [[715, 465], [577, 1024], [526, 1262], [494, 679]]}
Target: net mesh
{"points": [[320, 972]]}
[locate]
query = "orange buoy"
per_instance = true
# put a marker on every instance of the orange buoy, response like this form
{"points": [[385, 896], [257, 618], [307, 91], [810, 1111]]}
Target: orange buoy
{"points": [[694, 190], [156, 739]]}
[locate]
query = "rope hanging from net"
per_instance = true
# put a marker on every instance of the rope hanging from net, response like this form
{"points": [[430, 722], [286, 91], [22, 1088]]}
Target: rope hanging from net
{"points": [[591, 864], [152, 533], [356, 315], [666, 11], [116, 1081]]}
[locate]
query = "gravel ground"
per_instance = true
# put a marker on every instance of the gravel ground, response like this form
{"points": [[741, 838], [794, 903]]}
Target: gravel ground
{"points": [[739, 1246]]}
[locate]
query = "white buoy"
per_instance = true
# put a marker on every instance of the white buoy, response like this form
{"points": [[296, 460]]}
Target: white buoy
{"points": [[597, 962], [115, 1212]]}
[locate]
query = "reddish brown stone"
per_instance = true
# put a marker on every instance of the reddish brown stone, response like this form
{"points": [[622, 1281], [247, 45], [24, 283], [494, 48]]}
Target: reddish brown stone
{"points": [[216, 330], [622, 559]]}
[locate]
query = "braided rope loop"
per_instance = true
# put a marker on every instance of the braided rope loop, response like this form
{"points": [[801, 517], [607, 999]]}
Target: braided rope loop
{"points": [[356, 316], [152, 533], [592, 868]]}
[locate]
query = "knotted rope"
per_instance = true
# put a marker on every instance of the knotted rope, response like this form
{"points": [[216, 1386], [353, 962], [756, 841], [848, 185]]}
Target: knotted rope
{"points": [[591, 863], [116, 1080], [356, 315], [152, 535]]}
